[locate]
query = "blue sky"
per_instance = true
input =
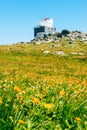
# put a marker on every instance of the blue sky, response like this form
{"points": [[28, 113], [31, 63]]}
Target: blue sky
{"points": [[18, 17]]}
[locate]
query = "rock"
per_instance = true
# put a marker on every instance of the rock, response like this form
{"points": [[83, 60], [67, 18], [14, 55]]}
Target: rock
{"points": [[81, 54], [46, 52], [60, 53], [76, 53], [71, 36]]}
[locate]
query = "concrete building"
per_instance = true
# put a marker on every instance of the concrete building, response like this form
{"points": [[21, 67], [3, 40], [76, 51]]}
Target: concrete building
{"points": [[44, 27]]}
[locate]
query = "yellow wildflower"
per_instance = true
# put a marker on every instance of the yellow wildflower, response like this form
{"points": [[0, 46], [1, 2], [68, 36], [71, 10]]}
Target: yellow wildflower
{"points": [[78, 119], [36, 100], [17, 89], [21, 122], [0, 100], [48, 105], [62, 93]]}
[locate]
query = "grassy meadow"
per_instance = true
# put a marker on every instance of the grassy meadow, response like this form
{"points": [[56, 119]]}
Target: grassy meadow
{"points": [[43, 91]]}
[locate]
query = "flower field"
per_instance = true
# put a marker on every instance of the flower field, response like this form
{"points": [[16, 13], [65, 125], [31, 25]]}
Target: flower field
{"points": [[43, 91]]}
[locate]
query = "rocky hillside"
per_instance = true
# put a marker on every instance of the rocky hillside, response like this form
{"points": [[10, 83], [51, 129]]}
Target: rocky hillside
{"points": [[71, 37]]}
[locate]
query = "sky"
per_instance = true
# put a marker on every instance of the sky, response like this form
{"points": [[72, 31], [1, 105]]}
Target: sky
{"points": [[19, 17]]}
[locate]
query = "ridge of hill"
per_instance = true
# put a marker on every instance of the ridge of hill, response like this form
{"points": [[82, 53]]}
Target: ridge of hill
{"points": [[64, 44], [69, 36], [60, 48]]}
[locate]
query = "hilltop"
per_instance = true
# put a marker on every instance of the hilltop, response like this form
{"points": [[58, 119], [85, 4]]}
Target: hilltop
{"points": [[49, 45], [70, 36]]}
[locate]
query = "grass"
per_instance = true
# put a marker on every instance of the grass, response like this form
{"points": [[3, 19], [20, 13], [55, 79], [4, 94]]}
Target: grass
{"points": [[43, 91]]}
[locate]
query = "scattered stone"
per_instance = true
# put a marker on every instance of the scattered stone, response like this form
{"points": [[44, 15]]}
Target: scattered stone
{"points": [[46, 52], [70, 36], [60, 53], [81, 54], [76, 53]]}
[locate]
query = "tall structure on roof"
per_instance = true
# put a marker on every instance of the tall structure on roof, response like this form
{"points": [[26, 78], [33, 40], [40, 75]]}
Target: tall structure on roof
{"points": [[44, 27]]}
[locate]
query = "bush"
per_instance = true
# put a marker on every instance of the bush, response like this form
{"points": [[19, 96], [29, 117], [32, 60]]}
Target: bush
{"points": [[65, 32], [59, 35]]}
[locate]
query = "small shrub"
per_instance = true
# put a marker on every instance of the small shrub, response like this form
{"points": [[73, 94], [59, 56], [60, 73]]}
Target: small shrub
{"points": [[65, 32]]}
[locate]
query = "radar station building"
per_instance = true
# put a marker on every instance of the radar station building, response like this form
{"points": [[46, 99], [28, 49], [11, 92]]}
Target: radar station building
{"points": [[44, 27]]}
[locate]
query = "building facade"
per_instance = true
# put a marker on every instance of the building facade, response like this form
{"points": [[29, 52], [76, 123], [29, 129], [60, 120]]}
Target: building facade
{"points": [[45, 27]]}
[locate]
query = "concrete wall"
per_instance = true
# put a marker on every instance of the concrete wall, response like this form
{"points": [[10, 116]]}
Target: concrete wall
{"points": [[44, 30]]}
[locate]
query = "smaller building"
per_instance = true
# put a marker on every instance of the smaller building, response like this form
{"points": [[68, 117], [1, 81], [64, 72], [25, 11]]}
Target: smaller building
{"points": [[44, 27]]}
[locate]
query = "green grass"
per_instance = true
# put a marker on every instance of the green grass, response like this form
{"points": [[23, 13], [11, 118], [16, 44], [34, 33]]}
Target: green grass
{"points": [[43, 91]]}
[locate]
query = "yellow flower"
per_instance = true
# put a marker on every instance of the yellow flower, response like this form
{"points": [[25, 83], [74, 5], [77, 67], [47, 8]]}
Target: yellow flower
{"points": [[36, 100], [78, 119], [48, 105], [0, 100], [21, 122], [17, 89], [62, 93]]}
